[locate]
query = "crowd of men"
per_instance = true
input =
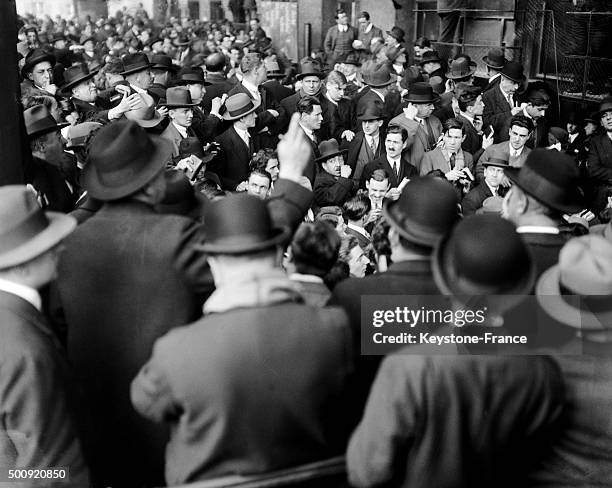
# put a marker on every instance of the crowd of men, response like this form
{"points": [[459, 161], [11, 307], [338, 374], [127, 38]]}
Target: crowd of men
{"points": [[182, 274]]}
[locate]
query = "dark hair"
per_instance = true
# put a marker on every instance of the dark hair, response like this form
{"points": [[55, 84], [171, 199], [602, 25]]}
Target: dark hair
{"points": [[339, 272], [339, 12], [521, 121], [356, 207], [262, 172], [467, 96], [379, 175], [437, 173], [365, 15], [315, 248], [422, 42], [380, 238], [396, 129], [453, 123], [261, 158], [306, 103]]}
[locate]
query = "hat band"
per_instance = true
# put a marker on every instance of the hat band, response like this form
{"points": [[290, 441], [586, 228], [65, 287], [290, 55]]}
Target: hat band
{"points": [[26, 230], [539, 186], [587, 303], [241, 110]]}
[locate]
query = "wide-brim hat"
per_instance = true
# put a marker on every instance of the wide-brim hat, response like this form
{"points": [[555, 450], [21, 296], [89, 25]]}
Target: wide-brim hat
{"points": [[498, 162], [378, 78], [583, 275], [38, 121], [310, 69], [513, 70], [180, 197], [33, 58], [372, 111], [397, 33], [604, 106], [239, 224], [420, 92], [133, 63], [430, 57], [26, 231], [460, 69], [239, 105], [178, 97], [78, 134], [425, 211], [188, 76], [551, 178], [329, 149], [76, 74], [495, 58], [483, 255], [123, 158], [163, 62], [145, 115]]}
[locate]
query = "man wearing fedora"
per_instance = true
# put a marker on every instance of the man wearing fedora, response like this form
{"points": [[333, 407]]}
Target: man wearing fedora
{"points": [[490, 186], [37, 74], [600, 157], [409, 436], [544, 189], [333, 184], [270, 114], [235, 409], [349, 66], [236, 144], [431, 64], [368, 143], [311, 78], [379, 91], [37, 430], [395, 37], [580, 322], [163, 70], [423, 128], [137, 72], [501, 102], [339, 38], [180, 111], [273, 83], [495, 62]]}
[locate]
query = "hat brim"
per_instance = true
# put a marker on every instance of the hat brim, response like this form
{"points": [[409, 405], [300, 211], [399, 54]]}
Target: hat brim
{"points": [[416, 100], [450, 76], [147, 123], [96, 188], [178, 105], [548, 294], [136, 70], [243, 244], [276, 75], [496, 164], [59, 227], [322, 159], [40, 132], [516, 80], [190, 82], [256, 104], [27, 67], [318, 74], [364, 118], [432, 60], [571, 207], [392, 80], [408, 229], [68, 86], [397, 38], [485, 60], [172, 69]]}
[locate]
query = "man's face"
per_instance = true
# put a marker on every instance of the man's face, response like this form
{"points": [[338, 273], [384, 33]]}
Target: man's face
{"points": [[362, 21], [590, 128], [258, 186], [311, 85], [333, 165], [394, 145], [182, 116], [144, 79], [249, 120], [508, 85], [493, 175], [518, 136], [272, 168], [452, 140], [226, 43], [377, 191], [42, 74], [571, 128], [60, 44], [342, 19], [606, 120], [371, 127], [261, 74], [197, 91], [424, 110], [536, 111], [357, 262], [512, 206], [32, 37], [400, 60], [478, 107], [85, 91], [254, 24], [335, 91], [313, 120], [234, 55]]}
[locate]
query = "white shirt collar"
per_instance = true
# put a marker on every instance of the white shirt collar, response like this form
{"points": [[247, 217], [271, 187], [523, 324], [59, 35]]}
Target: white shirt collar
{"points": [[244, 135], [181, 130], [391, 161], [368, 28], [30, 295], [252, 89], [515, 152], [306, 278], [537, 229], [137, 89], [496, 75], [526, 114], [308, 132], [356, 228], [378, 93], [493, 190], [467, 116], [329, 98], [572, 137], [343, 28]]}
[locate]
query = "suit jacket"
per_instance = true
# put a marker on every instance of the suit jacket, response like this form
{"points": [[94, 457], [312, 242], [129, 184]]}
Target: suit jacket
{"points": [[315, 293], [337, 118], [49, 181], [406, 170], [232, 162], [173, 135], [473, 140], [497, 113], [331, 190], [389, 106], [544, 248], [335, 45], [354, 148], [279, 91], [220, 85], [90, 113], [37, 429], [434, 159], [311, 170], [579, 148], [474, 199], [418, 140], [205, 126], [503, 149], [600, 159]]}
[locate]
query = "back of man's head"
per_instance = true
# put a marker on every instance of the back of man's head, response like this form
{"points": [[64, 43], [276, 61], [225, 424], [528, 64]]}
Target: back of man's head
{"points": [[315, 248]]}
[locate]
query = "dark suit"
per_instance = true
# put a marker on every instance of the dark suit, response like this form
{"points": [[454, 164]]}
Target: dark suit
{"points": [[50, 182], [474, 199], [232, 162], [219, 86], [355, 147], [90, 113], [331, 190], [206, 127], [497, 113], [37, 429], [473, 140], [336, 118], [406, 170], [600, 167], [311, 170], [279, 91], [390, 107], [544, 248]]}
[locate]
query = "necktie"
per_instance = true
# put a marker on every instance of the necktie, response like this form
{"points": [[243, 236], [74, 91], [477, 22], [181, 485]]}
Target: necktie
{"points": [[395, 168], [510, 101], [452, 160], [373, 146]]}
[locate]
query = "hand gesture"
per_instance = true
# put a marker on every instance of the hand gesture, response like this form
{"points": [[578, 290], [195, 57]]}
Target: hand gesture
{"points": [[345, 171], [242, 186], [294, 151], [217, 103], [487, 141], [393, 194], [273, 112], [411, 111], [454, 175], [505, 182], [163, 111], [51, 88], [517, 110], [348, 135]]}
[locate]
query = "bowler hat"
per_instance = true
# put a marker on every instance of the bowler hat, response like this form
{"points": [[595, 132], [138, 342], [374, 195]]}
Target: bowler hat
{"points": [[425, 211], [430, 57], [604, 106], [239, 105], [192, 145], [153, 40], [460, 68], [178, 97], [188, 76], [420, 92], [78, 134], [38, 121], [310, 68], [513, 71], [180, 197], [372, 111], [397, 33], [411, 75], [551, 178], [585, 271], [123, 158], [135, 62], [484, 255], [349, 58], [239, 224], [181, 41], [495, 58], [329, 149], [163, 62], [378, 78], [25, 230], [145, 114], [75, 74], [560, 134], [34, 57]]}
